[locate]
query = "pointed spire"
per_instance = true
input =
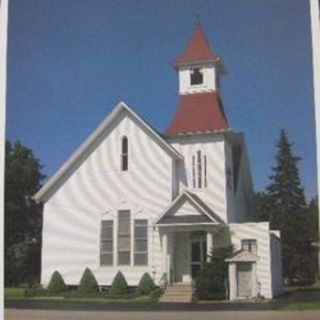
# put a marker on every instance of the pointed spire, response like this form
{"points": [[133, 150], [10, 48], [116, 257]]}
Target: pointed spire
{"points": [[198, 48]]}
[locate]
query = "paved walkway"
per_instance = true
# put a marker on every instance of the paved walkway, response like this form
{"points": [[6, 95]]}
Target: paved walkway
{"points": [[20, 314]]}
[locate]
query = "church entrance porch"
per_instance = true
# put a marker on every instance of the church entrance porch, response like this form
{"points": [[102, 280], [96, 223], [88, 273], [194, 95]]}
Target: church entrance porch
{"points": [[184, 252], [189, 252]]}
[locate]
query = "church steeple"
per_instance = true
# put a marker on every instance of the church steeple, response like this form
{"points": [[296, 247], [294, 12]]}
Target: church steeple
{"points": [[199, 108], [197, 51]]}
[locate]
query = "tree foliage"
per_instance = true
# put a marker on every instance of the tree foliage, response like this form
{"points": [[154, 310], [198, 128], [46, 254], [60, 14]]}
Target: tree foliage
{"points": [[284, 205], [88, 283], [56, 284], [146, 284], [23, 217], [211, 281], [119, 284]]}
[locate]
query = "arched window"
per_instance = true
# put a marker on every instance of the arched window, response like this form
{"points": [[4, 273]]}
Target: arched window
{"points": [[196, 76], [106, 243], [124, 154]]}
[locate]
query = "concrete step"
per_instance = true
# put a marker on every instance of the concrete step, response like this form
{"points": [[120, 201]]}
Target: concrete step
{"points": [[179, 290], [177, 293]]}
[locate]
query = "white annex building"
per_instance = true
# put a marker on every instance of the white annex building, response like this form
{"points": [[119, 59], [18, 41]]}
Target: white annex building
{"points": [[136, 200]]}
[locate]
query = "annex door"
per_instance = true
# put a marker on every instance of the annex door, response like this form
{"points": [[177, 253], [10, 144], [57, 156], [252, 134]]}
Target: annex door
{"points": [[244, 280], [198, 256]]}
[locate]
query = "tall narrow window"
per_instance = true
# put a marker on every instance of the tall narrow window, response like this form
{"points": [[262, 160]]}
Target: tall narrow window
{"points": [[124, 154], [193, 171], [106, 243], [205, 171], [199, 169], [196, 76], [124, 237], [140, 242]]}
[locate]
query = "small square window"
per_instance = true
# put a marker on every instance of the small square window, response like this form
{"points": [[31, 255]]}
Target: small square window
{"points": [[249, 245]]}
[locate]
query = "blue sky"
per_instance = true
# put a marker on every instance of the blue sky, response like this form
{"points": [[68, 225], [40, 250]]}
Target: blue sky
{"points": [[70, 62]]}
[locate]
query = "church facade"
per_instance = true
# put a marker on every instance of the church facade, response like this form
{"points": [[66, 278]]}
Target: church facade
{"points": [[135, 200]]}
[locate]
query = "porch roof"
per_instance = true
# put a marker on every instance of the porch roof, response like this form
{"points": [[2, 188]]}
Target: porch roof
{"points": [[203, 214], [242, 256]]}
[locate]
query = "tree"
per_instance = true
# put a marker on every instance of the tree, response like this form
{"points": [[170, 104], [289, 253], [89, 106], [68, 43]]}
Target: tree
{"points": [[119, 284], [23, 217], [88, 283], [313, 209], [211, 281], [288, 212]]}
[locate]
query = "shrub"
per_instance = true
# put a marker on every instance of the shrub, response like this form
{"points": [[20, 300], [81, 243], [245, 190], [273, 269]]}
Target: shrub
{"points": [[119, 284], [35, 292], [156, 293], [88, 283], [56, 284], [211, 281], [146, 284]]}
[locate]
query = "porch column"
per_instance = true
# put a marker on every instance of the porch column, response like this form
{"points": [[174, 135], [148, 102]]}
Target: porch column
{"points": [[232, 281], [170, 257], [209, 244], [254, 280], [165, 252]]}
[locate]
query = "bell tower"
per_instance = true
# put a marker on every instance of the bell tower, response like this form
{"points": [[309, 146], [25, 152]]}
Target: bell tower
{"points": [[199, 107], [196, 66]]}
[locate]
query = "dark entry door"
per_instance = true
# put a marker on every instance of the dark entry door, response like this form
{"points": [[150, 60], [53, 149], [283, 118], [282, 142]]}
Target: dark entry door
{"points": [[198, 255]]}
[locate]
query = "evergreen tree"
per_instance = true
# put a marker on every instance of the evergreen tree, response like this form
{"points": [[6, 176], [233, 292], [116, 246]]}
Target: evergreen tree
{"points": [[23, 217], [288, 213]]}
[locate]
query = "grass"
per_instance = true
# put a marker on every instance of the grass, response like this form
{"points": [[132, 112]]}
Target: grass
{"points": [[14, 293], [313, 305], [18, 294], [314, 287]]}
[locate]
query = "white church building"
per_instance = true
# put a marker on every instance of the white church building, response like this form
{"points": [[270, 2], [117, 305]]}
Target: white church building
{"points": [[136, 200]]}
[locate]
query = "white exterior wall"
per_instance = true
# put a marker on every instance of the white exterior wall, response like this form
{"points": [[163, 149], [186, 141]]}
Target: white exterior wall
{"points": [[214, 195], [97, 190], [234, 233], [209, 79]]}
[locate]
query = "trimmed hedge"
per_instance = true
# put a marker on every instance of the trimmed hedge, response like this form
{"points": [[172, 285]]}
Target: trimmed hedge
{"points": [[119, 284], [146, 284], [56, 284], [156, 293], [36, 292], [88, 283]]}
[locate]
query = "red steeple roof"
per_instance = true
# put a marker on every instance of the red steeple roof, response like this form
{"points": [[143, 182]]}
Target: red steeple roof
{"points": [[198, 49], [198, 113]]}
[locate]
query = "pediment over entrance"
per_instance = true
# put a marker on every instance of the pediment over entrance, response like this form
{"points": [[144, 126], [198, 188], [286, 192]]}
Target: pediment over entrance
{"points": [[243, 256], [188, 208]]}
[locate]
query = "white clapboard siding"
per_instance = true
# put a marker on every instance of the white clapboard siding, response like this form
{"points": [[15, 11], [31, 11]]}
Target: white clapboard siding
{"points": [[97, 189], [235, 232], [214, 195]]}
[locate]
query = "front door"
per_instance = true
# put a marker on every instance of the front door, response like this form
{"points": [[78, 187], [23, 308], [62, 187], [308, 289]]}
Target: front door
{"points": [[198, 256], [244, 283]]}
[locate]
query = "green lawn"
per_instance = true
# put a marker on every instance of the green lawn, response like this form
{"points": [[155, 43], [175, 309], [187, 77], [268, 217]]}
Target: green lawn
{"points": [[14, 293], [18, 293], [315, 287], [314, 305]]}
